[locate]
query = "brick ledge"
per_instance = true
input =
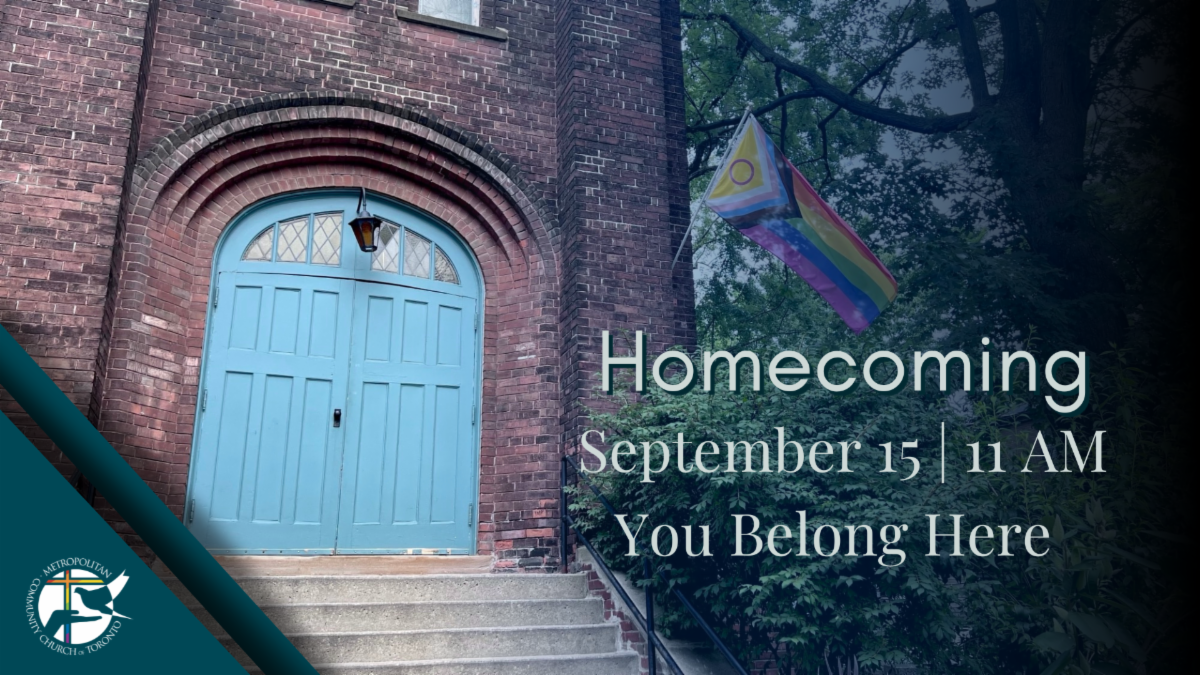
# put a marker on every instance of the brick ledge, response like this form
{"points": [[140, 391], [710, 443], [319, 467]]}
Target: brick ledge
{"points": [[480, 31]]}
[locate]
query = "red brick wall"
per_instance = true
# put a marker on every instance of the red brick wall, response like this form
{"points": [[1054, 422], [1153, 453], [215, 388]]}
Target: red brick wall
{"points": [[623, 200], [67, 85], [558, 154], [212, 52]]}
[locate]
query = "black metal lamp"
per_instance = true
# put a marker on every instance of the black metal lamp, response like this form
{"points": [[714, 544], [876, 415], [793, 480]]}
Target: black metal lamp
{"points": [[365, 225]]}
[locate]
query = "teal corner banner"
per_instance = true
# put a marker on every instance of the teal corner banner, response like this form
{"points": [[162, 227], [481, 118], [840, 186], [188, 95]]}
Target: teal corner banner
{"points": [[74, 598], [142, 509]]}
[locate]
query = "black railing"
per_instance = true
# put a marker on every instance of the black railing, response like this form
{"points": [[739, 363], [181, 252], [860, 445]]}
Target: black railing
{"points": [[646, 623]]}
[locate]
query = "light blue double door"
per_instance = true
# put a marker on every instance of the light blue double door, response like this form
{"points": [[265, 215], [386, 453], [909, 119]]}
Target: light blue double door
{"points": [[337, 415]]}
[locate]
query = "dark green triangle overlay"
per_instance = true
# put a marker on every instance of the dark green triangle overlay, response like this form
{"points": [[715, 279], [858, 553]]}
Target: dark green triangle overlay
{"points": [[158, 527], [46, 521]]}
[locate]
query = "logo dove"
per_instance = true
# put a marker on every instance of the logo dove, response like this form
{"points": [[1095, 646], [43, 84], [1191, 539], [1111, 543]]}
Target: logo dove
{"points": [[101, 599]]}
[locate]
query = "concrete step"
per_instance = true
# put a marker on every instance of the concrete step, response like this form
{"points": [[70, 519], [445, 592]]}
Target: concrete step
{"points": [[377, 623], [337, 617], [616, 663], [352, 589], [460, 643], [328, 565]]}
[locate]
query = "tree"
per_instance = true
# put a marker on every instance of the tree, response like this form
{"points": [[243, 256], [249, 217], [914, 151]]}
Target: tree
{"points": [[1054, 89]]}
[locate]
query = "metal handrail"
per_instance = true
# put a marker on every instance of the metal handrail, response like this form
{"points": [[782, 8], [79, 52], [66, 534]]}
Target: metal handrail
{"points": [[647, 623]]}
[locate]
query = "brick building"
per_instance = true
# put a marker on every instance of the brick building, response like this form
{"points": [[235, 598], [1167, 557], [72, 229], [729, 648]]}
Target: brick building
{"points": [[175, 181]]}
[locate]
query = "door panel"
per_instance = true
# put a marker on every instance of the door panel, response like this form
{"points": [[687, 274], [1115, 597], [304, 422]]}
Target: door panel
{"points": [[267, 456], [443, 493], [409, 472], [308, 497], [233, 431], [303, 323], [412, 419], [273, 449]]}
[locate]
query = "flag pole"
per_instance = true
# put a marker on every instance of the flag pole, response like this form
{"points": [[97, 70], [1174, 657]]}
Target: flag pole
{"points": [[711, 181], [686, 234]]}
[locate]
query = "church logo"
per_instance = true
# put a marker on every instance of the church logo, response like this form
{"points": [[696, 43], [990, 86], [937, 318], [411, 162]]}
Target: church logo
{"points": [[73, 607]]}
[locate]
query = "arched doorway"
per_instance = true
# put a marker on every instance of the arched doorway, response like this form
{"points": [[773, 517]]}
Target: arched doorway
{"points": [[339, 389]]}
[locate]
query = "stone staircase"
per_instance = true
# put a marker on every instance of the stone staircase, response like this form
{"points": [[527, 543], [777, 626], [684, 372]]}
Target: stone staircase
{"points": [[431, 623]]}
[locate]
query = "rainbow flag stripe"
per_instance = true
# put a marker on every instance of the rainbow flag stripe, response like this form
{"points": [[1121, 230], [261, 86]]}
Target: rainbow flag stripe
{"points": [[758, 191]]}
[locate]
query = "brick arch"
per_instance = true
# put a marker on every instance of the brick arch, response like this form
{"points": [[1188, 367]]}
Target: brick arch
{"points": [[202, 147], [181, 202], [284, 109]]}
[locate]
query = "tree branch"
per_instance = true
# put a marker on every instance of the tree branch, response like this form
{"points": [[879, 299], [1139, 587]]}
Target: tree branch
{"points": [[825, 143], [699, 173], [700, 156], [891, 58], [782, 113], [761, 110], [968, 41], [1110, 48], [822, 88], [1021, 47], [742, 52]]}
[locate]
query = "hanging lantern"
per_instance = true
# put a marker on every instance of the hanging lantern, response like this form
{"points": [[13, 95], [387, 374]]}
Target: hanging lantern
{"points": [[365, 225]]}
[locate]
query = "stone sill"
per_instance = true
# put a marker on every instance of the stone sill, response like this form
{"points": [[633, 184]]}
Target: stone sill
{"points": [[478, 31]]}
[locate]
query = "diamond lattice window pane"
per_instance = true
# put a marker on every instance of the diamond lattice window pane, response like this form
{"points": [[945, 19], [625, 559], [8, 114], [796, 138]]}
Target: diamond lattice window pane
{"points": [[260, 248], [462, 11], [327, 239], [416, 255], [387, 256], [443, 269], [293, 241]]}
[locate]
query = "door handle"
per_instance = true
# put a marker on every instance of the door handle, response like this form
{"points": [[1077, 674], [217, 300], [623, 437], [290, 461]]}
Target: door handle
{"points": [[337, 417]]}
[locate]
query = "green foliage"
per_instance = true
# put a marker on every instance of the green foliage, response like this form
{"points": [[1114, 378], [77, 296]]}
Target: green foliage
{"points": [[986, 214], [942, 212], [1095, 603]]}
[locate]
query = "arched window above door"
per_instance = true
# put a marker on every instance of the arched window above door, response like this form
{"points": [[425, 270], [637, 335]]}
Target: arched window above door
{"points": [[320, 233], [403, 251], [292, 240], [407, 247]]}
